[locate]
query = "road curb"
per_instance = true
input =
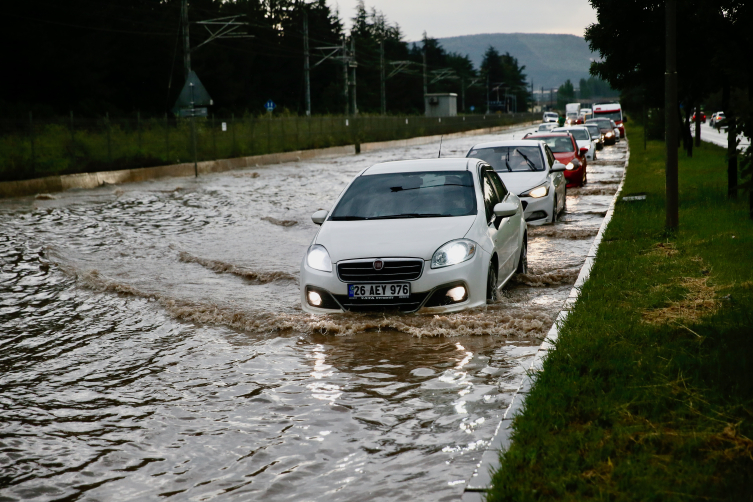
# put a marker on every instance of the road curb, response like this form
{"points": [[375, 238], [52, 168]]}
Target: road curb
{"points": [[64, 182], [481, 478]]}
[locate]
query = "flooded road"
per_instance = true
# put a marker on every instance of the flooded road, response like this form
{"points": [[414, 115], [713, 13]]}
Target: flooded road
{"points": [[152, 345]]}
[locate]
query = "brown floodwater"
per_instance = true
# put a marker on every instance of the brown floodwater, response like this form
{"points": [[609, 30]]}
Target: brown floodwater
{"points": [[152, 345]]}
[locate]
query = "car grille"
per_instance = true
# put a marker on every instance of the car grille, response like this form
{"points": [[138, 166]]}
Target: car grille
{"points": [[402, 304], [394, 270]]}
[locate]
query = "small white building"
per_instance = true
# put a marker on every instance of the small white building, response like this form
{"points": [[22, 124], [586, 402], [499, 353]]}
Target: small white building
{"points": [[441, 104]]}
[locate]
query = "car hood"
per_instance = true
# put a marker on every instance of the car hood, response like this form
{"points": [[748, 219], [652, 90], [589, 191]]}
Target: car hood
{"points": [[520, 182], [409, 237], [564, 157]]}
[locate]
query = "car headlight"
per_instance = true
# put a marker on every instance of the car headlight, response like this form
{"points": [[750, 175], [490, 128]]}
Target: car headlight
{"points": [[610, 134], [453, 252], [538, 192], [570, 166], [318, 258]]}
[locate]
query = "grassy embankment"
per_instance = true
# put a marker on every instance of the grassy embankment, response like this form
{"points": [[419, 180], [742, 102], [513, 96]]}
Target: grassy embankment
{"points": [[649, 394], [63, 147]]}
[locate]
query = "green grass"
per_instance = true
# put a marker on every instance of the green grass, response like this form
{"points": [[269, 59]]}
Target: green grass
{"points": [[649, 393], [57, 147]]}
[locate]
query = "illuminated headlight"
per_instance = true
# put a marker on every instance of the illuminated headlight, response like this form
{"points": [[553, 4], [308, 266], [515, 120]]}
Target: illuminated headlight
{"points": [[314, 298], [538, 192], [610, 134], [453, 252], [318, 258], [457, 294], [570, 166]]}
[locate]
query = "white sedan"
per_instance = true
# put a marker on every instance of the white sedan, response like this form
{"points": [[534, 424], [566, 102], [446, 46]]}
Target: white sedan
{"points": [[545, 127], [436, 235], [582, 135], [529, 169]]}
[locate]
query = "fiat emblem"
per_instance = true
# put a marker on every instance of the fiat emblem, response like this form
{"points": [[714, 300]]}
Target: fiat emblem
{"points": [[378, 264]]}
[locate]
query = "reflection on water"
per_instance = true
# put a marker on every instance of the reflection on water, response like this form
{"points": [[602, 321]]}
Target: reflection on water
{"points": [[153, 345]]}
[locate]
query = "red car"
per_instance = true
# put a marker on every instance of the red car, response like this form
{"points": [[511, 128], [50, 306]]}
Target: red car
{"points": [[703, 117], [565, 149]]}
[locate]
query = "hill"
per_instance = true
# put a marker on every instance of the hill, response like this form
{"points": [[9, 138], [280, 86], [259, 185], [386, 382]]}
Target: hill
{"points": [[549, 59]]}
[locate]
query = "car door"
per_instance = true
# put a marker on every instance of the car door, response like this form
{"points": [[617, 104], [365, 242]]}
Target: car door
{"points": [[491, 199], [508, 229], [558, 179]]}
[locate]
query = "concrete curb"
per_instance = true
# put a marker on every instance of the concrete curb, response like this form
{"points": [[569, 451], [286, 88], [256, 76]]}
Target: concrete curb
{"points": [[52, 184], [489, 463]]}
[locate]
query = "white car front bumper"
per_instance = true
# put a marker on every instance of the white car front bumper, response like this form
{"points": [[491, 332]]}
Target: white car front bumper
{"points": [[472, 274]]}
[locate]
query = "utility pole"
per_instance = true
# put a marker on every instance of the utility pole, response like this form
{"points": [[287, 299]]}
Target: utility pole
{"points": [[462, 94], [186, 42], [426, 86], [487, 94], [346, 84], [381, 76], [670, 116], [352, 63], [306, 69], [533, 103]]}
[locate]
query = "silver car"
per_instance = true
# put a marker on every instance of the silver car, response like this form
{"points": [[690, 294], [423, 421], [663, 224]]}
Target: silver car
{"points": [[529, 169]]}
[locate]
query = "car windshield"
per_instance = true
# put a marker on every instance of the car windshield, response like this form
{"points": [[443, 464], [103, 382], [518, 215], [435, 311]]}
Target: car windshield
{"points": [[558, 144], [545, 127], [408, 195], [578, 134], [601, 123], [516, 159], [615, 115], [593, 129]]}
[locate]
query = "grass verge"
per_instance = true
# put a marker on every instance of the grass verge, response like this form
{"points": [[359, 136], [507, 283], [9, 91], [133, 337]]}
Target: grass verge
{"points": [[649, 393]]}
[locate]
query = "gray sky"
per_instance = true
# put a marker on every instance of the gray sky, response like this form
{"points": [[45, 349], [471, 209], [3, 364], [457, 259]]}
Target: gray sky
{"points": [[448, 18]]}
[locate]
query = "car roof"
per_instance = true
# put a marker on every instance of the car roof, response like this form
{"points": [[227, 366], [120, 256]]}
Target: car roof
{"points": [[412, 166], [512, 142], [567, 128], [550, 135]]}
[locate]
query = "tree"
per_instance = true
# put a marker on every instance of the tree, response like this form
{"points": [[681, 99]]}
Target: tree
{"points": [[565, 94], [505, 77]]}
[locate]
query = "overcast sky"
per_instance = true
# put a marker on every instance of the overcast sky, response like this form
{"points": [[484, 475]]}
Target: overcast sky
{"points": [[449, 18]]}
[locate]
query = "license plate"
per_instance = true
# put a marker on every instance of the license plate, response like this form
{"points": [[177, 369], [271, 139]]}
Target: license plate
{"points": [[379, 291]]}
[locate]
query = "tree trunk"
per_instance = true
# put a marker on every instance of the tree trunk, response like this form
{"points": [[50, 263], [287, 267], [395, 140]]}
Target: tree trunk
{"points": [[697, 125], [731, 156]]}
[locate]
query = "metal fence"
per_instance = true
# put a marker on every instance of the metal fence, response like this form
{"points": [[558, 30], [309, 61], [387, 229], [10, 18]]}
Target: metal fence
{"points": [[35, 148]]}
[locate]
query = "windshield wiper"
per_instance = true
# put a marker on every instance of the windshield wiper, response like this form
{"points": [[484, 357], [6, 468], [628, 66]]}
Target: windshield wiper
{"points": [[347, 218], [407, 215], [507, 161], [531, 165], [401, 189]]}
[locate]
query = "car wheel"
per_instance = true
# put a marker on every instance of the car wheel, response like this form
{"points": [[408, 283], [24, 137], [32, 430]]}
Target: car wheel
{"points": [[523, 261], [491, 283], [554, 211]]}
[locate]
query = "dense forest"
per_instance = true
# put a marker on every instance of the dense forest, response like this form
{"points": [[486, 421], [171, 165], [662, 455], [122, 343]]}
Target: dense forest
{"points": [[124, 56]]}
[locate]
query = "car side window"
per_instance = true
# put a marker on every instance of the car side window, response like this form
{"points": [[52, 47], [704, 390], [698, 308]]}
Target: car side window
{"points": [[491, 198], [498, 185], [549, 156]]}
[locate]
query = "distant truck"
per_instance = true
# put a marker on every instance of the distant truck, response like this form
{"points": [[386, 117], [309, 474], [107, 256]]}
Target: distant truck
{"points": [[572, 114], [586, 113], [611, 111]]}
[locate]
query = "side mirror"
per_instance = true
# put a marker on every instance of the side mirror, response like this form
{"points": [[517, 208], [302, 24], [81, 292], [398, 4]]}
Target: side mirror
{"points": [[505, 209], [320, 216], [624, 119], [558, 167], [583, 150]]}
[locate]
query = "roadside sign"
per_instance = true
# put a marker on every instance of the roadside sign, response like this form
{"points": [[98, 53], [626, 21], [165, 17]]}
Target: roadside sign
{"points": [[193, 112], [270, 105], [224, 126]]}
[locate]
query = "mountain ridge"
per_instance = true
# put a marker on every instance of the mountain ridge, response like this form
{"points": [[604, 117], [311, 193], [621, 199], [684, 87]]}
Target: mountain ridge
{"points": [[550, 59]]}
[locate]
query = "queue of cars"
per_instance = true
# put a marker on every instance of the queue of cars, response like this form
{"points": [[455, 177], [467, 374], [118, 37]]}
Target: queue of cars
{"points": [[442, 235]]}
